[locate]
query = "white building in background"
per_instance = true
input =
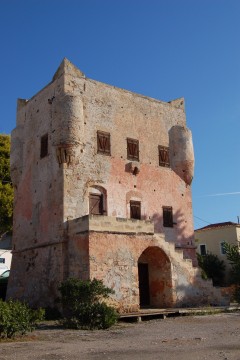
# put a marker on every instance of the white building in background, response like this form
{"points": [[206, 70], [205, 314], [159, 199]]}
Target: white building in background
{"points": [[5, 252], [210, 239]]}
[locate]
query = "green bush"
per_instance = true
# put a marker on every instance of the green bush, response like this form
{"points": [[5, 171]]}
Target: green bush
{"points": [[212, 268], [233, 256], [83, 305], [17, 318]]}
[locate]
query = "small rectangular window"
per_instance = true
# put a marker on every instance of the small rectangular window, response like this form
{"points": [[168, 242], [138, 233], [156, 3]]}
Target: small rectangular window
{"points": [[2, 261], [222, 248], [167, 216], [96, 204], [163, 152], [135, 210], [203, 250], [132, 149], [44, 146], [103, 143]]}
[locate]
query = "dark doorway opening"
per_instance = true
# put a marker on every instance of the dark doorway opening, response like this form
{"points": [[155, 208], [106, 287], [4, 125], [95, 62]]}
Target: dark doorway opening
{"points": [[143, 278]]}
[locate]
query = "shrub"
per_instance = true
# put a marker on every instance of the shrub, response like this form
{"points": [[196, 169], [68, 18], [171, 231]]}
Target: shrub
{"points": [[212, 268], [83, 305], [17, 318]]}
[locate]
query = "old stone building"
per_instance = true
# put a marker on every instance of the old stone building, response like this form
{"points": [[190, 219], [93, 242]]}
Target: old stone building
{"points": [[102, 190]]}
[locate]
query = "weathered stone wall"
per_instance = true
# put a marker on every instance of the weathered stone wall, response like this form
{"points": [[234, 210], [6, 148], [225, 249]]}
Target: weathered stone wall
{"points": [[53, 238], [38, 225], [124, 114]]}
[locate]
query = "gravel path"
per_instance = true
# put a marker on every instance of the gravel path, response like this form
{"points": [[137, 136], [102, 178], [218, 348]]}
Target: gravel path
{"points": [[215, 337]]}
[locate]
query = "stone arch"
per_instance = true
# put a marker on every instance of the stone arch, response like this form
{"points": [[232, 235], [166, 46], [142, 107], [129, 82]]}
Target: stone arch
{"points": [[97, 200], [155, 278]]}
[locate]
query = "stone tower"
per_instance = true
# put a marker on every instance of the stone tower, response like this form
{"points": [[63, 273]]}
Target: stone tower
{"points": [[102, 180]]}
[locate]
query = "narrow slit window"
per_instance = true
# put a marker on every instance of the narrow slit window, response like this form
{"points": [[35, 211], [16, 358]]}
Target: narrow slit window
{"points": [[135, 210], [132, 149], [167, 216], [222, 248], [103, 143], [163, 152], [44, 146]]}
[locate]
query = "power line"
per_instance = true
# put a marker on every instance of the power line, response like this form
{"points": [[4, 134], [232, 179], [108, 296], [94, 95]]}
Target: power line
{"points": [[207, 222]]}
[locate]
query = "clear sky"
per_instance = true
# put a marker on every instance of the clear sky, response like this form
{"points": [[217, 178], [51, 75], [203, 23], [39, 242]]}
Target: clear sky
{"points": [[164, 49]]}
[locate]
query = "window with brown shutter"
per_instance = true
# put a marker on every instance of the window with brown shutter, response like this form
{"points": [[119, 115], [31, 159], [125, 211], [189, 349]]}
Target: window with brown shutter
{"points": [[135, 210], [103, 143], [95, 204], [44, 146], [163, 152], [167, 216], [132, 149]]}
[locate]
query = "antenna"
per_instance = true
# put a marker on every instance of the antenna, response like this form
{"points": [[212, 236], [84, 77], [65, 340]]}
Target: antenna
{"points": [[238, 219]]}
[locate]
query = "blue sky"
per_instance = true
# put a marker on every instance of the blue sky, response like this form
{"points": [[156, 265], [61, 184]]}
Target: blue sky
{"points": [[164, 49]]}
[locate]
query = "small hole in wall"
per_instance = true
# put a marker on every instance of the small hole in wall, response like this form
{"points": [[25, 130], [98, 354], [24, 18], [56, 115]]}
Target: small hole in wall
{"points": [[135, 186], [182, 194], [55, 213], [119, 182], [81, 150], [154, 190], [85, 123], [54, 248]]}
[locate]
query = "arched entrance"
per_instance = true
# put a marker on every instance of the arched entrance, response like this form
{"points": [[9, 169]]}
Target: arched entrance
{"points": [[155, 278]]}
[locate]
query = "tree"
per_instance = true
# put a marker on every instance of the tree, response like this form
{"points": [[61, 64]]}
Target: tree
{"points": [[212, 267], [233, 255], [6, 189]]}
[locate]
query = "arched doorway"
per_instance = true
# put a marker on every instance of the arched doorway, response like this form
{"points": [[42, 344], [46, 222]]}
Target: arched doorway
{"points": [[154, 278]]}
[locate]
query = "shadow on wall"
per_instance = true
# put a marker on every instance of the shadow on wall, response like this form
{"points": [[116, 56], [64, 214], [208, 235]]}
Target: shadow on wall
{"points": [[176, 228]]}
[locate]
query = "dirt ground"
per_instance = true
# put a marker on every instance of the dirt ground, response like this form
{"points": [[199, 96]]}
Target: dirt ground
{"points": [[215, 337]]}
